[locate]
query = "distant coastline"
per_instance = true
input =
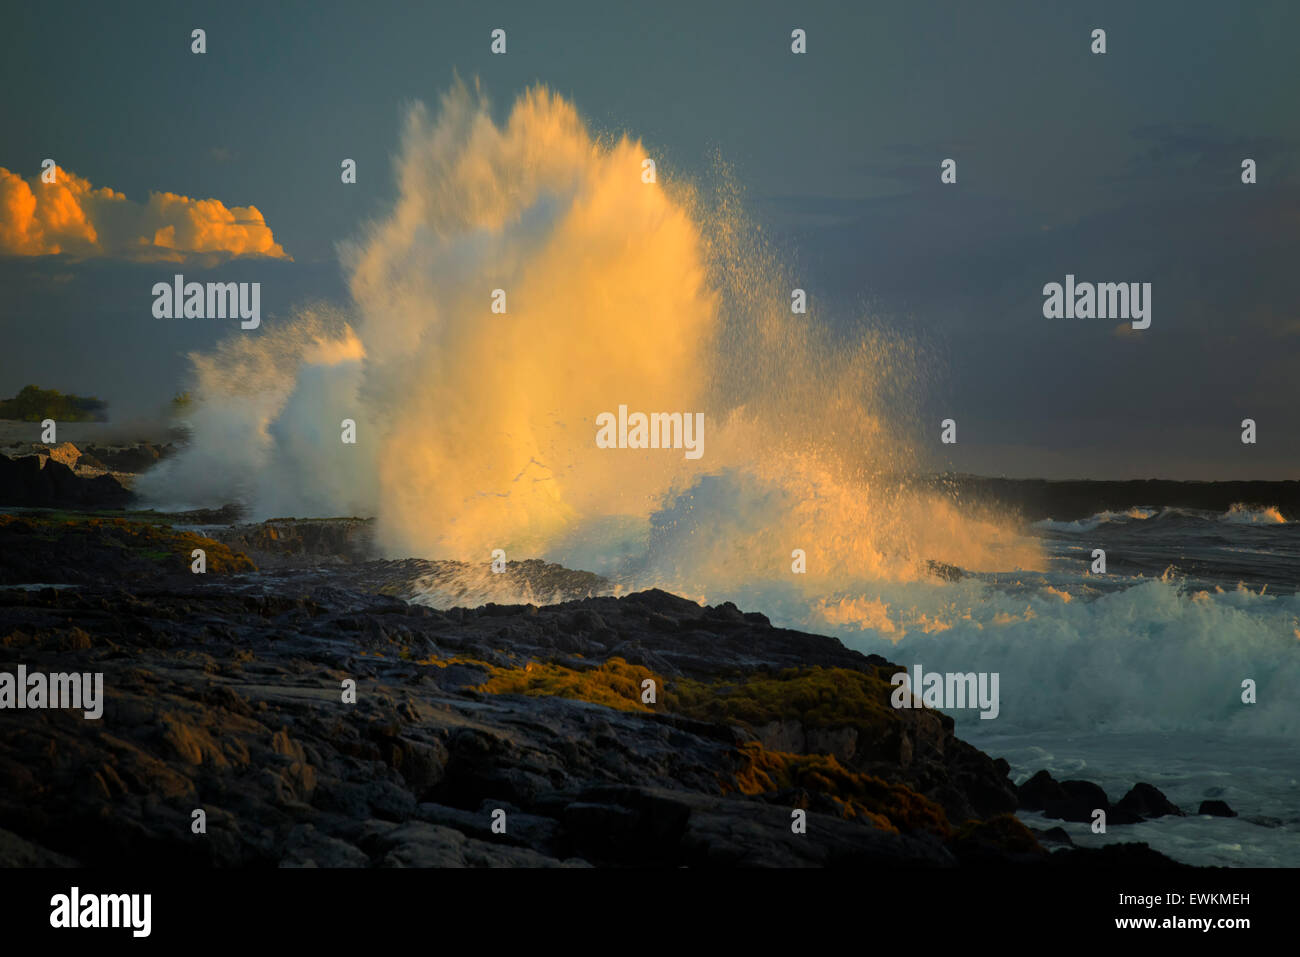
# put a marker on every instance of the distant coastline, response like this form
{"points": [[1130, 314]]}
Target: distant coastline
{"points": [[1073, 499]]}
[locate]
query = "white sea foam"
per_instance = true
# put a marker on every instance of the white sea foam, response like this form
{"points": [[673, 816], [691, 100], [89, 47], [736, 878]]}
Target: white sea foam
{"points": [[1137, 513]]}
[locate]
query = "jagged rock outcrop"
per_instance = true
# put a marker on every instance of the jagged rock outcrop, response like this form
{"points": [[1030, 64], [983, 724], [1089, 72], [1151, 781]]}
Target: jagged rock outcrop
{"points": [[138, 457], [1146, 801], [1216, 809], [226, 693], [44, 481], [1078, 800], [295, 541]]}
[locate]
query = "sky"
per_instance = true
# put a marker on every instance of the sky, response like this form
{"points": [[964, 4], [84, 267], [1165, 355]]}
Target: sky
{"points": [[1124, 166]]}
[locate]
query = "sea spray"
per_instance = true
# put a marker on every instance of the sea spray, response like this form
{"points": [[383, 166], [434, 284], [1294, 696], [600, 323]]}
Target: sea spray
{"points": [[474, 426]]}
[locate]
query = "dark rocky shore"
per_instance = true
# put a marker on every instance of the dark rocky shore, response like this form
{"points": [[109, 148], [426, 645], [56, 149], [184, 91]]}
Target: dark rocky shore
{"points": [[224, 692]]}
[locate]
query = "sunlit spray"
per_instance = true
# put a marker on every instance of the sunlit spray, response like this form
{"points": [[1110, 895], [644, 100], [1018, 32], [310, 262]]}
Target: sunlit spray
{"points": [[528, 280]]}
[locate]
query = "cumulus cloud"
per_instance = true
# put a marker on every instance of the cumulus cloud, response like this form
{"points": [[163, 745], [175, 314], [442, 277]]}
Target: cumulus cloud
{"points": [[71, 217]]}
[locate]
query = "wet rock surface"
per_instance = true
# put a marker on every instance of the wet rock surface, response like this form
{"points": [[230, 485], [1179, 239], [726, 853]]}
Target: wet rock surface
{"points": [[1078, 800], [502, 735], [44, 480], [1216, 809]]}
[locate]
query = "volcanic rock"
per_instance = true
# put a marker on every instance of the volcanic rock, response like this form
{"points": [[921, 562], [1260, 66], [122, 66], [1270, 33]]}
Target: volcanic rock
{"points": [[1216, 808], [229, 691], [1146, 801]]}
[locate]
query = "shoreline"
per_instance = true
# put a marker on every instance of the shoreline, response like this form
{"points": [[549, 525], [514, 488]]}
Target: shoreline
{"points": [[227, 688]]}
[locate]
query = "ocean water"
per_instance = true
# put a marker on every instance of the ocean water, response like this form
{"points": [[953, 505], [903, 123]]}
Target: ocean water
{"points": [[1257, 776], [1136, 675]]}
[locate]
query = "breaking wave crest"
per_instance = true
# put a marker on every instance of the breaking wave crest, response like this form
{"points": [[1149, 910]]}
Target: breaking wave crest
{"points": [[1238, 514], [476, 429]]}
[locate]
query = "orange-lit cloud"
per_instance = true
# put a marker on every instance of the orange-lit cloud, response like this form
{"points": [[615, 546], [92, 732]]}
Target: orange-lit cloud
{"points": [[71, 217]]}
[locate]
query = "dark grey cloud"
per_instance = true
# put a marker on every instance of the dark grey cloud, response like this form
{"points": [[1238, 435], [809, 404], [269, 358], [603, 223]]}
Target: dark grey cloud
{"points": [[1116, 167]]}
